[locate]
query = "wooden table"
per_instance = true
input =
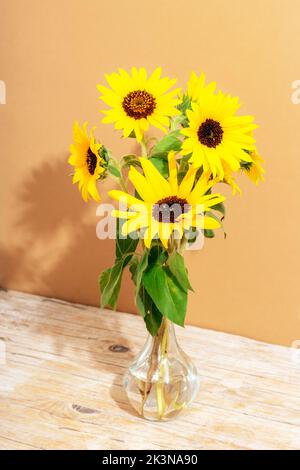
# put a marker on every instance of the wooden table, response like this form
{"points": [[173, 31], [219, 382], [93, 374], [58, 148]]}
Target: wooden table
{"points": [[61, 384]]}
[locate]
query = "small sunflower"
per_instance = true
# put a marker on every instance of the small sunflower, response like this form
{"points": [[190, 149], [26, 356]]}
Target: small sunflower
{"points": [[196, 86], [85, 157], [253, 169], [137, 101], [165, 205], [215, 134]]}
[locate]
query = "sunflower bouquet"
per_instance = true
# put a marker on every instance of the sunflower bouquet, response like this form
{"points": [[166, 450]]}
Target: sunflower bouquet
{"points": [[166, 202]]}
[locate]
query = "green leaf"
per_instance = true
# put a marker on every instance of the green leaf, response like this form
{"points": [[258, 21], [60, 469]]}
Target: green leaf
{"points": [[110, 284], [110, 279], [176, 265], [153, 317], [157, 254], [167, 143], [124, 245], [133, 267], [245, 165], [148, 311], [208, 233], [198, 175], [191, 235], [183, 168], [220, 207], [166, 293], [161, 164], [104, 278], [132, 135], [213, 216], [137, 268], [141, 267], [185, 104], [145, 305], [104, 154]]}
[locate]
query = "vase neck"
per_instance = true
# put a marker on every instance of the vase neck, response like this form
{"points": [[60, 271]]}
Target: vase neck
{"points": [[167, 328], [165, 340]]}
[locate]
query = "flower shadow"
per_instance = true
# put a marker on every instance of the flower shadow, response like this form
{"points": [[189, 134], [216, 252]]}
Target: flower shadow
{"points": [[58, 254]]}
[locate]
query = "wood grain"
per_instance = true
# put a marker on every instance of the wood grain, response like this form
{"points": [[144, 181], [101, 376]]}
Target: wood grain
{"points": [[61, 385]]}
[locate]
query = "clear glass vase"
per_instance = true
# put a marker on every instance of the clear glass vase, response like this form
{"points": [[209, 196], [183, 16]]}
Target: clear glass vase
{"points": [[162, 381]]}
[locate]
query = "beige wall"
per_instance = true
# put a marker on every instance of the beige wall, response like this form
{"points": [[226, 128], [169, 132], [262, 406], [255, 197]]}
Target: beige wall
{"points": [[52, 55]]}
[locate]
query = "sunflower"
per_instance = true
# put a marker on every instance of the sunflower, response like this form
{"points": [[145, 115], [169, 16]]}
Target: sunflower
{"points": [[215, 134], [196, 86], [166, 206], [137, 101], [253, 169], [85, 157]]}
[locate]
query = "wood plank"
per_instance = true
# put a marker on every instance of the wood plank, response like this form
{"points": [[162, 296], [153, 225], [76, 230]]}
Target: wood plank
{"points": [[61, 387]]}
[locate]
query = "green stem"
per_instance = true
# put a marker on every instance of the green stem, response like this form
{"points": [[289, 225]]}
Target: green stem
{"points": [[182, 245], [173, 125], [160, 386], [122, 183], [144, 147], [173, 244]]}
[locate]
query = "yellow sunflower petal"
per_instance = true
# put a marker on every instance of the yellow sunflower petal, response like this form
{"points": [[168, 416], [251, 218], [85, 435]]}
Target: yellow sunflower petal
{"points": [[200, 188], [123, 214], [157, 182], [206, 222], [147, 237], [132, 225], [141, 185], [92, 189], [165, 231], [124, 198], [187, 183], [213, 201]]}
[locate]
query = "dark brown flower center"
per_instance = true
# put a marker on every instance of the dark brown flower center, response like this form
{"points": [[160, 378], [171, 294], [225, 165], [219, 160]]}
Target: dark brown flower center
{"points": [[210, 133], [91, 161], [169, 209], [139, 104]]}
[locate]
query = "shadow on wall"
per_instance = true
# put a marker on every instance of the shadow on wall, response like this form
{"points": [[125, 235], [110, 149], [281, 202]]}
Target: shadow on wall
{"points": [[59, 254]]}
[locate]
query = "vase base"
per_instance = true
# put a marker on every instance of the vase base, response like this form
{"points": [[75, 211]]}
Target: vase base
{"points": [[160, 401]]}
